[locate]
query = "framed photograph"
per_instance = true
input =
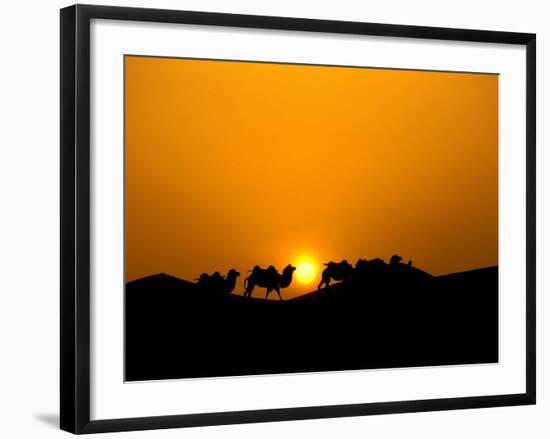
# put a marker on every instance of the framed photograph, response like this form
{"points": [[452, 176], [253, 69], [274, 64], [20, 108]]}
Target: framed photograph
{"points": [[268, 218]]}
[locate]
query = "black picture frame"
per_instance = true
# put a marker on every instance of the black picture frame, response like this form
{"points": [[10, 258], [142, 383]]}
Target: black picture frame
{"points": [[75, 217]]}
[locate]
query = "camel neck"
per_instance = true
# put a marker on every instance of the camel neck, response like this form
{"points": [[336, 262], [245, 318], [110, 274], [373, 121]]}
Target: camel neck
{"points": [[286, 278]]}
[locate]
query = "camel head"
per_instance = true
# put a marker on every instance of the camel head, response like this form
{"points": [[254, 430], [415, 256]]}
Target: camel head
{"points": [[289, 269], [232, 274], [286, 277]]}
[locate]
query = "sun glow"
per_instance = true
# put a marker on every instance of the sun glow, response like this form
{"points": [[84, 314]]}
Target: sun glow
{"points": [[306, 271]]}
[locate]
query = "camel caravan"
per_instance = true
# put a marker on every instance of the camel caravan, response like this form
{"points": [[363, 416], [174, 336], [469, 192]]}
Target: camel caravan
{"points": [[372, 271], [270, 279]]}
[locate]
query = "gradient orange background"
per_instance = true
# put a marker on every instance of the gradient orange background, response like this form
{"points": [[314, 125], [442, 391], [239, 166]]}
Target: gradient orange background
{"points": [[233, 164]]}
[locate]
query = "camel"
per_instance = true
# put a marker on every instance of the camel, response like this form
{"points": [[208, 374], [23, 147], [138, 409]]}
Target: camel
{"points": [[376, 270], [366, 271], [231, 281], [337, 271], [364, 265], [215, 283], [395, 259], [269, 278]]}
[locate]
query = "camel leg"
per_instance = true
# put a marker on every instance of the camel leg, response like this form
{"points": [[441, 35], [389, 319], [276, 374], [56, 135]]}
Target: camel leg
{"points": [[267, 292], [324, 281], [279, 293], [248, 292]]}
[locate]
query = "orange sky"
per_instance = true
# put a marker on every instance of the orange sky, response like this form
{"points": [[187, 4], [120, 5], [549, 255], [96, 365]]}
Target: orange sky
{"points": [[233, 164]]}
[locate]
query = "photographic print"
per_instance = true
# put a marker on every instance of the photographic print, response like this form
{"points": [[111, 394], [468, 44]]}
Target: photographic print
{"points": [[291, 218]]}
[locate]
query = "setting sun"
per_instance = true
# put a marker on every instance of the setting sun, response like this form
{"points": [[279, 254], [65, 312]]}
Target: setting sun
{"points": [[305, 272]]}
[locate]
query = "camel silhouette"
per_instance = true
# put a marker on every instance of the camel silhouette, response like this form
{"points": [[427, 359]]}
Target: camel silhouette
{"points": [[216, 283], [268, 278], [335, 270], [395, 259]]}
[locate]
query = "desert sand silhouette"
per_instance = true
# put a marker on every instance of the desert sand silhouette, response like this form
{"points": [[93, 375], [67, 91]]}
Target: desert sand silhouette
{"points": [[375, 315]]}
